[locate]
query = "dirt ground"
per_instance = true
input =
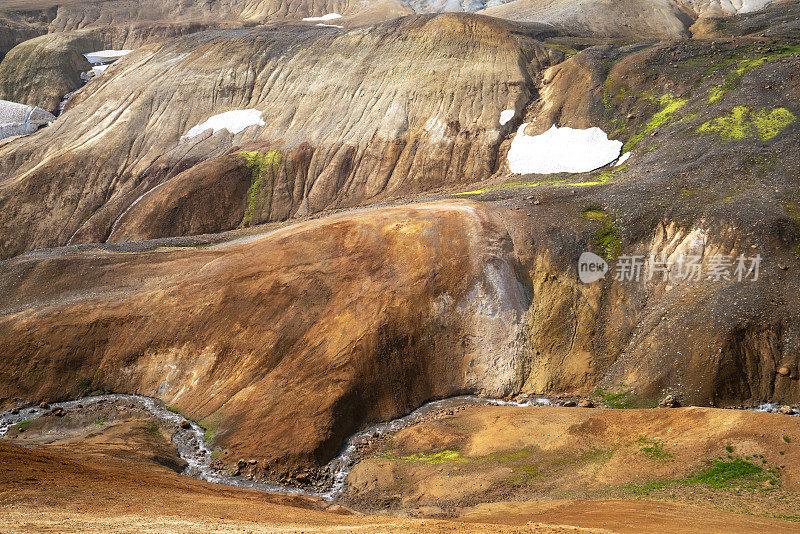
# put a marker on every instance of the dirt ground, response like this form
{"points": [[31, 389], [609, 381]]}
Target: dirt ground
{"points": [[599, 467], [42, 491], [98, 484]]}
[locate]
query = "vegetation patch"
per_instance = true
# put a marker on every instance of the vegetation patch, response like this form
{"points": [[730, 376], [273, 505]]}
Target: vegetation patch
{"points": [[21, 426], [151, 427], [210, 425], [589, 456], [619, 400], [263, 168], [653, 449], [605, 242], [742, 123], [436, 458], [568, 51], [742, 67], [601, 178], [669, 106], [727, 472]]}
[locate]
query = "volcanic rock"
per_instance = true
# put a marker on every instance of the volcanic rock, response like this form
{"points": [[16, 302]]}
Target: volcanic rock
{"points": [[669, 402], [638, 20], [402, 128], [287, 324]]}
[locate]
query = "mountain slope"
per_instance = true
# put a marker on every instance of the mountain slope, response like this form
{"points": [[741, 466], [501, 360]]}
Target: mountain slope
{"points": [[415, 105]]}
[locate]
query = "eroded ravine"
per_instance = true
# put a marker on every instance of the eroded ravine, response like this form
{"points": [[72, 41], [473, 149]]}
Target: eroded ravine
{"points": [[192, 447], [189, 437]]}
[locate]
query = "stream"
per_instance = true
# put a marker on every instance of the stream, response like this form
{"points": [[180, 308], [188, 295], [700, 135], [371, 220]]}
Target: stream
{"points": [[193, 449]]}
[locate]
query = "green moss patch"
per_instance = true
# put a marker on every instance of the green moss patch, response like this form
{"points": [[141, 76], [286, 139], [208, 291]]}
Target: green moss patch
{"points": [[727, 472], [436, 458], [653, 449], [742, 123], [605, 242], [741, 67], [210, 425], [601, 178], [263, 169], [21, 426], [669, 105]]}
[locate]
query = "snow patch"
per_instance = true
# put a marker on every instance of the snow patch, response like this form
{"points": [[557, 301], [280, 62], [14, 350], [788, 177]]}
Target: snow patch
{"points": [[99, 69], [506, 116], [436, 128], [623, 159], [748, 6], [323, 18], [561, 150], [105, 56], [234, 121]]}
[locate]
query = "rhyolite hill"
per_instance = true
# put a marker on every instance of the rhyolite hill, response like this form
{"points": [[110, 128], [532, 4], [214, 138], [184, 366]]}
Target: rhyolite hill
{"points": [[211, 273]]}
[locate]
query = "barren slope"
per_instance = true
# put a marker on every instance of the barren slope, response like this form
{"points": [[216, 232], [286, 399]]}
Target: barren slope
{"points": [[290, 346], [414, 105]]}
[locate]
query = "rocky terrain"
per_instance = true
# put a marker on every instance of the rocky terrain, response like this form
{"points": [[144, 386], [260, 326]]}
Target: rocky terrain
{"points": [[287, 231]]}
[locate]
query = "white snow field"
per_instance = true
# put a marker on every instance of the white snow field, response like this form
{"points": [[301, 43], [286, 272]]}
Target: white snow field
{"points": [[323, 18], [506, 115], [234, 121], [20, 119], [561, 150], [105, 56]]}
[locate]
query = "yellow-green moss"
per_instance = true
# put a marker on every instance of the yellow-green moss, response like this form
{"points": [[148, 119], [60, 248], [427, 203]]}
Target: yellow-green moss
{"points": [[742, 67], [669, 105], [605, 241], [436, 458], [263, 168], [568, 51], [210, 425], [715, 94], [602, 178], [741, 123]]}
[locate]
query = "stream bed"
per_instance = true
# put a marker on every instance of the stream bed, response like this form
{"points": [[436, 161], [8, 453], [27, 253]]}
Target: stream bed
{"points": [[192, 448]]}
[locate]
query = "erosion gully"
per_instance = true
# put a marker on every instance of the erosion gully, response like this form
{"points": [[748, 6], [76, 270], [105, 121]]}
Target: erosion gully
{"points": [[193, 449]]}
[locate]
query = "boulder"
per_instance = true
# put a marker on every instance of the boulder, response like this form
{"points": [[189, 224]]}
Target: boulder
{"points": [[670, 401]]}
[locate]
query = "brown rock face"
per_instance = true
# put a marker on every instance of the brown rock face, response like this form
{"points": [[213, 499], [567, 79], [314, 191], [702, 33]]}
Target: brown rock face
{"points": [[634, 20], [41, 71], [67, 15], [293, 340], [12, 33], [414, 105]]}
